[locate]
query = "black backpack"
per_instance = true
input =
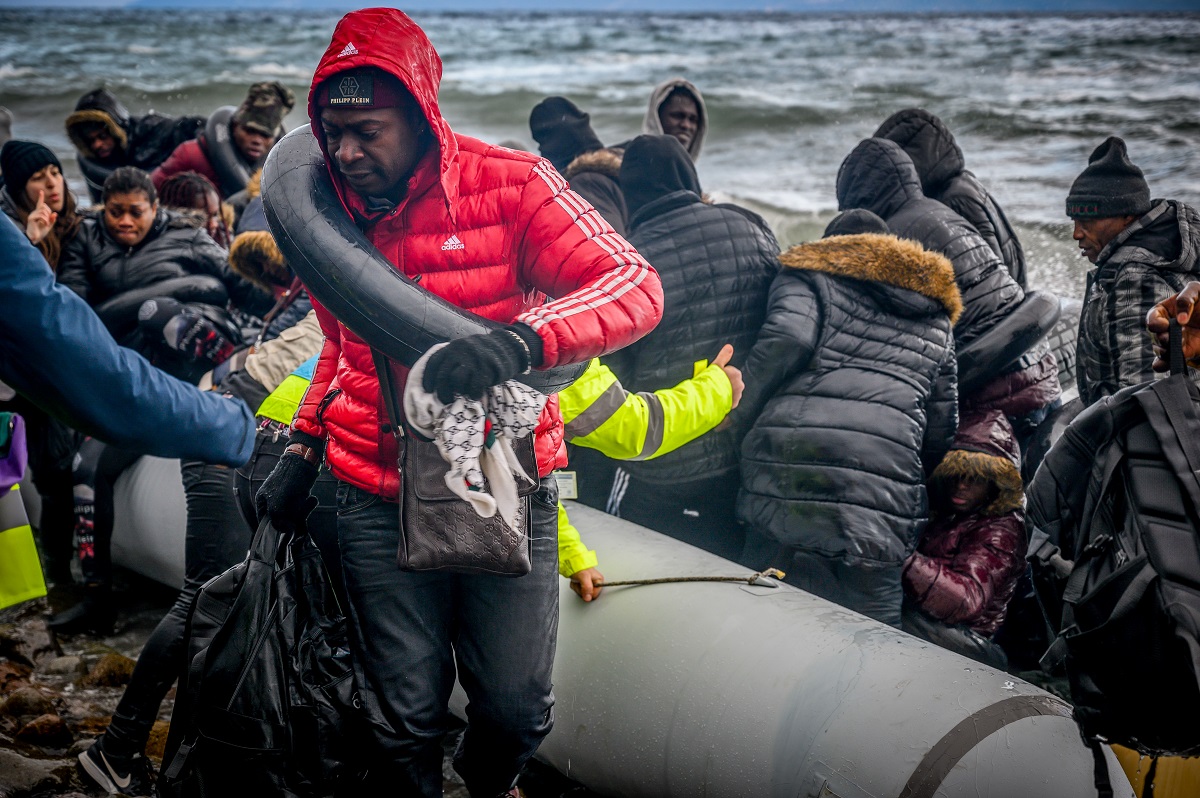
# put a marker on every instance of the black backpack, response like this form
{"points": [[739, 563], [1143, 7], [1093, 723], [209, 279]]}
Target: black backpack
{"points": [[1114, 523], [266, 705]]}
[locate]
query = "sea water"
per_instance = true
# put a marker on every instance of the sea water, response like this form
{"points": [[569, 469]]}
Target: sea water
{"points": [[1028, 97]]}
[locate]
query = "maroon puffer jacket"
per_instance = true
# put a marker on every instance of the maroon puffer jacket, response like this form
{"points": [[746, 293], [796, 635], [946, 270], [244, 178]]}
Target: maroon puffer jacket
{"points": [[966, 566]]}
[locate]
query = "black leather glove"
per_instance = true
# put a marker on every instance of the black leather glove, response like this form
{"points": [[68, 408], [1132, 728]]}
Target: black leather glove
{"points": [[469, 366], [285, 495]]}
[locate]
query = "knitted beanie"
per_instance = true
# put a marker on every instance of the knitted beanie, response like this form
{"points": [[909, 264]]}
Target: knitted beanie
{"points": [[19, 160], [265, 106], [1111, 185], [562, 131], [854, 221]]}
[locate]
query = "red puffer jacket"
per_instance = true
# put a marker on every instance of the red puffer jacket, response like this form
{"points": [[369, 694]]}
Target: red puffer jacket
{"points": [[966, 566], [489, 229]]}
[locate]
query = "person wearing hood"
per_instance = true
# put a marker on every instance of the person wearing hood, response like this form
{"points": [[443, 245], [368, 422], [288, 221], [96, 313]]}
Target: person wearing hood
{"points": [[107, 136], [234, 145], [677, 109], [879, 176], [945, 178], [959, 581], [495, 232], [850, 401], [35, 196], [716, 263], [1143, 250], [565, 138]]}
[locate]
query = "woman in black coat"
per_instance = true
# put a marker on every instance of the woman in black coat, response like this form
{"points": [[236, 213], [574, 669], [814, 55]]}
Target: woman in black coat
{"points": [[854, 375]]}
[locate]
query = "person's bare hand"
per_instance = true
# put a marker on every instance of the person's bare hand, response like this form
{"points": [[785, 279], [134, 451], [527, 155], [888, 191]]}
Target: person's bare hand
{"points": [[1183, 308], [734, 374], [587, 583], [41, 220]]}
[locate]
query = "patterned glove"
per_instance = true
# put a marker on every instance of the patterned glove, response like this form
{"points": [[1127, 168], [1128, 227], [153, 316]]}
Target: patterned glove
{"points": [[469, 366]]}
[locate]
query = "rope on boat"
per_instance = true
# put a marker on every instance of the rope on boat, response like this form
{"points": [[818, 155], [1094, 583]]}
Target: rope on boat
{"points": [[761, 579]]}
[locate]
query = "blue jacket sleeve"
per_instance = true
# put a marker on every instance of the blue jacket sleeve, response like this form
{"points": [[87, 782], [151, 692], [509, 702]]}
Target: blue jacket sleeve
{"points": [[55, 351]]}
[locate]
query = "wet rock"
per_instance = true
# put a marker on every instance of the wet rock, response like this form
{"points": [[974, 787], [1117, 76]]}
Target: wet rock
{"points": [[113, 670], [27, 642], [12, 676], [70, 666], [26, 702], [24, 776], [47, 731], [157, 743]]}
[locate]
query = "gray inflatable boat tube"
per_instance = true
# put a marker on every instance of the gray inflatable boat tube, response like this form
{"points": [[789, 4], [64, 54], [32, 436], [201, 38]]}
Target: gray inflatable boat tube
{"points": [[344, 272], [731, 690]]}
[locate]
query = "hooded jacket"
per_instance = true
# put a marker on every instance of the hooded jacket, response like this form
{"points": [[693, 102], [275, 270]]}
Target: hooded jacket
{"points": [[142, 141], [944, 177], [652, 124], [97, 268], [595, 176], [854, 373], [966, 567], [519, 235], [1146, 262], [716, 263], [880, 177]]}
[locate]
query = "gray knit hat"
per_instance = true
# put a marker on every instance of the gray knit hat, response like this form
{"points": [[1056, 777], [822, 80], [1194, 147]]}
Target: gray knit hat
{"points": [[1111, 185], [265, 106]]}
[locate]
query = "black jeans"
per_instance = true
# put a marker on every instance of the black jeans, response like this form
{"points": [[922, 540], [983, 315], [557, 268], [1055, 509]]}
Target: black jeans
{"points": [[409, 630], [699, 512]]}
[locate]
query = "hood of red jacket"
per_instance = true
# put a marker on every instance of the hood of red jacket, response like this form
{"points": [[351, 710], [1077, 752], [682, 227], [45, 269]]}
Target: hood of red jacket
{"points": [[387, 39]]}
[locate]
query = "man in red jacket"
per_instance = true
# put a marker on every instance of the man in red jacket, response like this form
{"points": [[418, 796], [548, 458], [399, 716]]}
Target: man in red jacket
{"points": [[496, 232]]}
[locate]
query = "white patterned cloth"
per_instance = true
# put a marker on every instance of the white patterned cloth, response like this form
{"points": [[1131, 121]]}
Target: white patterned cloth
{"points": [[475, 438]]}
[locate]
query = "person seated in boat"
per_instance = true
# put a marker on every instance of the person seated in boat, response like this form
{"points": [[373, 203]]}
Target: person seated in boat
{"points": [[959, 581], [879, 176], [35, 196], [945, 178], [565, 138], [1142, 250], [850, 402], [159, 283], [716, 263], [233, 145], [192, 194], [107, 136]]}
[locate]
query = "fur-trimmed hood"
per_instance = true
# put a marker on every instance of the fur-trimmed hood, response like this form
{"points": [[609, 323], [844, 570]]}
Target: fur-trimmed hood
{"points": [[99, 106], [255, 256], [606, 161], [881, 259], [985, 447]]}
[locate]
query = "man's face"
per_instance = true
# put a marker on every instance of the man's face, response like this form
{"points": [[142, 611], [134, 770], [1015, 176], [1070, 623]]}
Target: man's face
{"points": [[375, 149], [1093, 235], [251, 143], [680, 118], [99, 141]]}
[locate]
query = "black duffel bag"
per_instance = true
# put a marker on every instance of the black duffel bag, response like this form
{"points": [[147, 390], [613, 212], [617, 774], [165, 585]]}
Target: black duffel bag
{"points": [[266, 703]]}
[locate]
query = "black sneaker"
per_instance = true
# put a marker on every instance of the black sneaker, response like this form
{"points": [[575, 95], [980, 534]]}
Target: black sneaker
{"points": [[133, 777], [95, 615]]}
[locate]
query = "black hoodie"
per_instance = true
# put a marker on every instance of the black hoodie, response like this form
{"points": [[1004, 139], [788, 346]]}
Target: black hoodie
{"points": [[939, 162]]}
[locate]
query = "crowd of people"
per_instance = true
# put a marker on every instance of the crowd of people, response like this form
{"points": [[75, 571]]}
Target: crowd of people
{"points": [[856, 410]]}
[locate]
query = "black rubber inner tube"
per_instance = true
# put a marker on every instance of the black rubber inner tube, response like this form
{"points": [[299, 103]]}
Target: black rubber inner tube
{"points": [[992, 353], [232, 172], [344, 272]]}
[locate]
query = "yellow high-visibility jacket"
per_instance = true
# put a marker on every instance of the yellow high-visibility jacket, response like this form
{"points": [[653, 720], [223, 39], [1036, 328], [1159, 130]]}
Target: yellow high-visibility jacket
{"points": [[600, 414]]}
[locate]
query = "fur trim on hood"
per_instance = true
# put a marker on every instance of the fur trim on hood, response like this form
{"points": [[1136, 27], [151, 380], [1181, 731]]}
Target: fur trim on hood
{"points": [[986, 448], [881, 259], [254, 187], [255, 256], [606, 162], [94, 115]]}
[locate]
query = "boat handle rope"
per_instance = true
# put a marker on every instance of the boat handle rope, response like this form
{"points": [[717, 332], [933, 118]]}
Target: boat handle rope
{"points": [[759, 579]]}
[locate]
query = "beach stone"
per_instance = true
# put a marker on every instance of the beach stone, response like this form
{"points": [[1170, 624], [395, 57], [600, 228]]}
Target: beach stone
{"points": [[48, 731], [24, 776], [26, 702], [112, 670], [71, 666], [157, 744], [12, 676], [27, 642]]}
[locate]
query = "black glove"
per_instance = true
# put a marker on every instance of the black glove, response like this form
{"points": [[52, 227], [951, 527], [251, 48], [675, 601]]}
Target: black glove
{"points": [[285, 495], [469, 366]]}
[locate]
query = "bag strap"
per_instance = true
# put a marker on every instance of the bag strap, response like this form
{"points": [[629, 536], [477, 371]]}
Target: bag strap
{"points": [[387, 387], [1100, 777]]}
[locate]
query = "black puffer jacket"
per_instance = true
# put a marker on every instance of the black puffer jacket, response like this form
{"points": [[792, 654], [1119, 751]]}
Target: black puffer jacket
{"points": [[944, 177], [98, 268], [855, 373], [880, 177], [716, 263], [142, 141]]}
